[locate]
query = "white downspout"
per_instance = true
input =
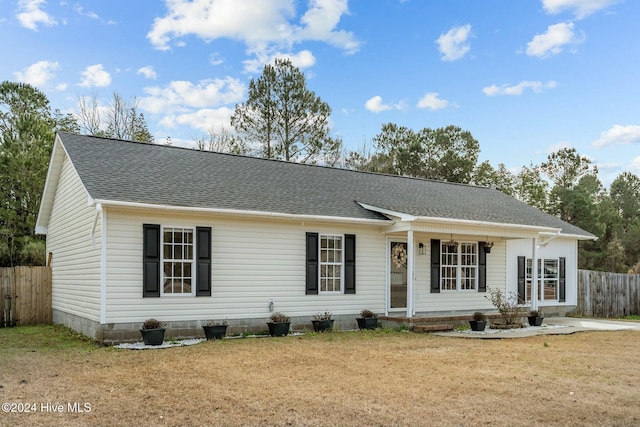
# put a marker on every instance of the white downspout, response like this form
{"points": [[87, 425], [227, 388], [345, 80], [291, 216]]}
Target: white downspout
{"points": [[534, 275], [103, 268], [410, 278]]}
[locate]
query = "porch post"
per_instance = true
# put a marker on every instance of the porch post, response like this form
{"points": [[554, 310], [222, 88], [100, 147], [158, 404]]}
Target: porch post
{"points": [[410, 268], [534, 275]]}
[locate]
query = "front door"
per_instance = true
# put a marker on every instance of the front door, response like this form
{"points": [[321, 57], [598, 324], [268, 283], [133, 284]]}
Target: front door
{"points": [[397, 275]]}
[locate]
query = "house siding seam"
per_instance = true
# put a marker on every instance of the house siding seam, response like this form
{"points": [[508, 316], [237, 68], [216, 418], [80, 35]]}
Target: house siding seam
{"points": [[75, 267]]}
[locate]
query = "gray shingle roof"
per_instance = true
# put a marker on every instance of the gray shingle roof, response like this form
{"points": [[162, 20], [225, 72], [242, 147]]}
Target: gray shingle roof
{"points": [[126, 171]]}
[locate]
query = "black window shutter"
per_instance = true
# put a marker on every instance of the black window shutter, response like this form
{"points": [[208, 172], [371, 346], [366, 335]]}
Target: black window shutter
{"points": [[435, 266], [312, 265], [203, 261], [482, 268], [522, 264], [151, 260], [562, 276], [349, 263]]}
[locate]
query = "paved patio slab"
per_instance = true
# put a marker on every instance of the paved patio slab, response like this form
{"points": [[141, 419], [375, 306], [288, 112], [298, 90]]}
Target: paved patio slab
{"points": [[551, 326]]}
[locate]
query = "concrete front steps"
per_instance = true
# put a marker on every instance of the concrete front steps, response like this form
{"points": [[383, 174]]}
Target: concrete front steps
{"points": [[426, 324]]}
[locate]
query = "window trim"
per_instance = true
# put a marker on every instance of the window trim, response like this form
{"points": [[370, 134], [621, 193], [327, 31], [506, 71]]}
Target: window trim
{"points": [[341, 264], [528, 282], [163, 227], [458, 268]]}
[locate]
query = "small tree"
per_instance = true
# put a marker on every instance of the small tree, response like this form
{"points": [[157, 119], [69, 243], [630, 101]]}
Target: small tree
{"points": [[506, 305]]}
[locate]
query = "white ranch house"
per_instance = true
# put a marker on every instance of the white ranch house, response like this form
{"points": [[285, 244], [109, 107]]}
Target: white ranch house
{"points": [[136, 231]]}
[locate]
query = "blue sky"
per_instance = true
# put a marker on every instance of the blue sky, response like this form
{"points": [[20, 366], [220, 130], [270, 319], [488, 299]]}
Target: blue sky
{"points": [[525, 77]]}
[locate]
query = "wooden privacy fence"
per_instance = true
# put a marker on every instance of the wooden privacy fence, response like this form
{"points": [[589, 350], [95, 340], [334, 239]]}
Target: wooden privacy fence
{"points": [[603, 294], [25, 296]]}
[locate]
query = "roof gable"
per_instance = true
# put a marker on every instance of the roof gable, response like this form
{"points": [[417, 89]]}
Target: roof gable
{"points": [[130, 172]]}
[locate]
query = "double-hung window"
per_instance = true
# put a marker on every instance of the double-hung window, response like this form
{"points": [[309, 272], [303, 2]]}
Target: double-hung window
{"points": [[459, 266], [177, 261], [331, 262], [548, 279]]}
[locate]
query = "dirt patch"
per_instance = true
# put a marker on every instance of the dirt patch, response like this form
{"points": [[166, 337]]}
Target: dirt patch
{"points": [[343, 379]]}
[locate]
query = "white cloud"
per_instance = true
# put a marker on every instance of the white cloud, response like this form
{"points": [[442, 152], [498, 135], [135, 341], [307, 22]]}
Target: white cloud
{"points": [[320, 22], [432, 101], [95, 76], [215, 59], [259, 24], [148, 72], [519, 88], [30, 14], [580, 8], [204, 119], [183, 96], [557, 147], [634, 167], [80, 10], [453, 44], [557, 37], [619, 134], [376, 105], [302, 59], [38, 74]]}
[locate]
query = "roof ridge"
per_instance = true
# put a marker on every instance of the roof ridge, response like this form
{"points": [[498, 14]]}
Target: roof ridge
{"points": [[289, 162]]}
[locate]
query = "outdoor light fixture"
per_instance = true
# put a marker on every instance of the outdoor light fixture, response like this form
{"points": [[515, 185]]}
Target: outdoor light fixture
{"points": [[421, 249]]}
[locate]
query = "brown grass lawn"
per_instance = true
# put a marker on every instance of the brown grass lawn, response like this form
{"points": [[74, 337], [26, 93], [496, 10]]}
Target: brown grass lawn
{"points": [[344, 379]]}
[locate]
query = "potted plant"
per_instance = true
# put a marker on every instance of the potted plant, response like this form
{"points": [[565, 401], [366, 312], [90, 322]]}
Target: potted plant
{"points": [[478, 321], [279, 324], [534, 318], [322, 322], [367, 320], [152, 332], [215, 330]]}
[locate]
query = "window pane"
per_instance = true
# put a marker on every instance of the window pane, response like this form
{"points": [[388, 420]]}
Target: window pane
{"points": [[168, 236], [550, 268], [550, 290], [177, 236], [177, 252], [186, 269], [167, 251]]}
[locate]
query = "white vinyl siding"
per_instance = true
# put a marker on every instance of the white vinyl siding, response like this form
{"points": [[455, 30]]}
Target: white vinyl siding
{"points": [[248, 269], [555, 249], [428, 302], [75, 266]]}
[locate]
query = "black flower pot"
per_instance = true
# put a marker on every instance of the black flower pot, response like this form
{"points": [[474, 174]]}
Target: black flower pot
{"points": [[535, 320], [322, 325], [278, 329], [367, 322], [214, 332], [152, 336], [478, 325]]}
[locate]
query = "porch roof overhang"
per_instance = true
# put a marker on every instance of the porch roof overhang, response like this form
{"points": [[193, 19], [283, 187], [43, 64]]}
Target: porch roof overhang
{"points": [[438, 225]]}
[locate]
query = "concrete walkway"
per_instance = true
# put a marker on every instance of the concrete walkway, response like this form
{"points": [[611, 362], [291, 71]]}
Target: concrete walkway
{"points": [[550, 326]]}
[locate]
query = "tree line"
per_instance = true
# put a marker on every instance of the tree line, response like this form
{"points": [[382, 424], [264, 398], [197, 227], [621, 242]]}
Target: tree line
{"points": [[283, 119]]}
